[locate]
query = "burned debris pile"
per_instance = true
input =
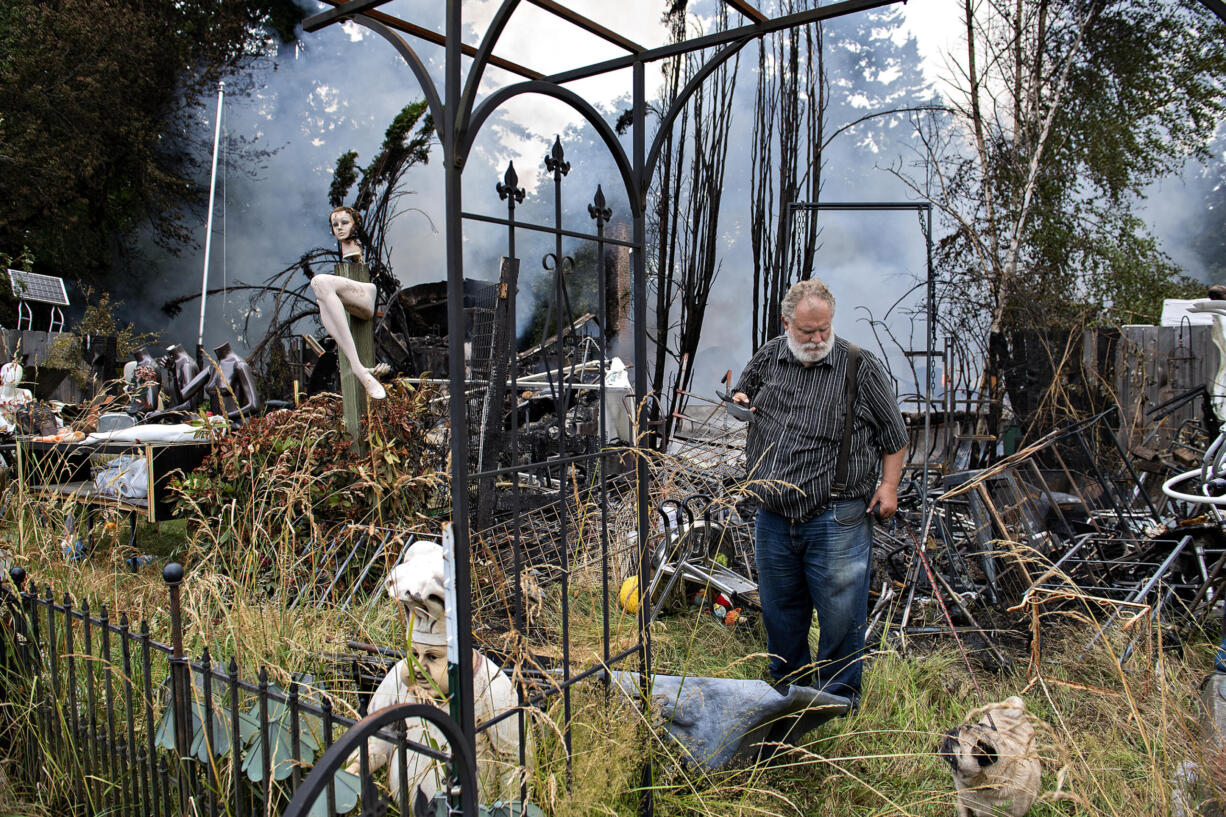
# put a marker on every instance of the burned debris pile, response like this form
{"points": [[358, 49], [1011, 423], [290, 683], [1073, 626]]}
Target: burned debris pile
{"points": [[1076, 521], [1070, 522]]}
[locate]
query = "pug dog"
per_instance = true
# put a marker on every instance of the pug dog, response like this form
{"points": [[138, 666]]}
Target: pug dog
{"points": [[995, 766]]}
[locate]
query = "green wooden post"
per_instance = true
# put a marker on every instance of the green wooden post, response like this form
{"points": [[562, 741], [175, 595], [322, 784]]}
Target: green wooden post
{"points": [[353, 394]]}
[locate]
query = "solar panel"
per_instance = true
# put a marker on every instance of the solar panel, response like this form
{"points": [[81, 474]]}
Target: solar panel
{"points": [[46, 289]]}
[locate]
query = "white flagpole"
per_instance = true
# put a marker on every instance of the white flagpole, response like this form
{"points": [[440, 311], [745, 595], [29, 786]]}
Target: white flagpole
{"points": [[208, 234]]}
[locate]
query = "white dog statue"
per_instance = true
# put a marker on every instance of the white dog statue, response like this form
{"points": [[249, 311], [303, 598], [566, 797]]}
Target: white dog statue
{"points": [[418, 584]]}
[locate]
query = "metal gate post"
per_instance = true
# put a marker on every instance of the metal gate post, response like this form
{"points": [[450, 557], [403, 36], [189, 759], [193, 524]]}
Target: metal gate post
{"points": [[180, 685]]}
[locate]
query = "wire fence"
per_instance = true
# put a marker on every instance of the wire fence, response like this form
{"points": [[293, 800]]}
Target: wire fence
{"points": [[103, 718]]}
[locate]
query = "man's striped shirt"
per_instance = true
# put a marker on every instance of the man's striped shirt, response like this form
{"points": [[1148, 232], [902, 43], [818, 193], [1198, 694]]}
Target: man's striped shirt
{"points": [[793, 441]]}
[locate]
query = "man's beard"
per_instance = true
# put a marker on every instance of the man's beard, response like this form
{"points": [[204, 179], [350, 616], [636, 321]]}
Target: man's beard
{"points": [[810, 353]]}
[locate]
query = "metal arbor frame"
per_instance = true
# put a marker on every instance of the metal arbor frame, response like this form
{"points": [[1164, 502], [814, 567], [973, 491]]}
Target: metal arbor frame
{"points": [[459, 116]]}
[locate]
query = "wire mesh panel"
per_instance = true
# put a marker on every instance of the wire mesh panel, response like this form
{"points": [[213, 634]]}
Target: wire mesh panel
{"points": [[553, 532]]}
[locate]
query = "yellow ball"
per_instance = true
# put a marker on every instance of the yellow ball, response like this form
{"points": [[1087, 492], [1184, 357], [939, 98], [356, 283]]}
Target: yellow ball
{"points": [[629, 594]]}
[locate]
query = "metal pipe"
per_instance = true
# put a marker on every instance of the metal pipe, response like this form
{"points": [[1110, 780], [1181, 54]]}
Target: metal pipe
{"points": [[642, 181], [932, 350], [462, 691], [860, 205], [748, 10], [208, 230], [556, 164], [1143, 591], [588, 25]]}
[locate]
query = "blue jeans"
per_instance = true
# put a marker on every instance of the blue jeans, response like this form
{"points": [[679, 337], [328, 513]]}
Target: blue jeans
{"points": [[1219, 664], [822, 565]]}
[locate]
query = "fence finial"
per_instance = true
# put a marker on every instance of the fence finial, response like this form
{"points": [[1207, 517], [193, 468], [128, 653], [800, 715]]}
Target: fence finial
{"points": [[18, 575], [172, 573]]}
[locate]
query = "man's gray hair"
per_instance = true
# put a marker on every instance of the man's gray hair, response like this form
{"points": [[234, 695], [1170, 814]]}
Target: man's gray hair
{"points": [[803, 291]]}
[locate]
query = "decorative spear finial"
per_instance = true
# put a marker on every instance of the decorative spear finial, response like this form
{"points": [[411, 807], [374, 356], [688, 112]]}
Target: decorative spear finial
{"points": [[556, 162], [507, 187], [597, 210]]}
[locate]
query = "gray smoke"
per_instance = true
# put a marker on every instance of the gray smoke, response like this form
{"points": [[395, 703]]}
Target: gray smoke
{"points": [[338, 89]]}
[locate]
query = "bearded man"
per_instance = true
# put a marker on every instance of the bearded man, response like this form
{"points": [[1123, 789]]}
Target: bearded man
{"points": [[814, 532]]}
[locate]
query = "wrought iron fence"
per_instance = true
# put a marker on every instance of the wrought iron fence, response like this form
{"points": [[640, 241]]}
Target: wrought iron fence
{"points": [[104, 718]]}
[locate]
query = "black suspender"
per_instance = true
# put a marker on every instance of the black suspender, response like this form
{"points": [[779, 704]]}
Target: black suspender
{"points": [[851, 387]]}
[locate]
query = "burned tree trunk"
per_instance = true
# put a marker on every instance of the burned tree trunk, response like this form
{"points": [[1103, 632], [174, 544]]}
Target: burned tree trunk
{"points": [[689, 187], [789, 122]]}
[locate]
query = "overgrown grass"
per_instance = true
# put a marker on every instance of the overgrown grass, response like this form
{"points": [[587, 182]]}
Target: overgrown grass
{"points": [[1114, 738]]}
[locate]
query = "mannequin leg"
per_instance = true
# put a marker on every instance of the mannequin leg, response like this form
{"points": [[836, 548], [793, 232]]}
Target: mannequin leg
{"points": [[357, 298], [358, 301]]}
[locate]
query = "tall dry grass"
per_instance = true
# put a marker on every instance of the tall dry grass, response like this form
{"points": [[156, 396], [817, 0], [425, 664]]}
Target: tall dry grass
{"points": [[1116, 738]]}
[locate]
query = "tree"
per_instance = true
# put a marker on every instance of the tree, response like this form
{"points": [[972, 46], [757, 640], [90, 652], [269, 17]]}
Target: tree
{"points": [[406, 143], [1209, 231], [683, 227], [797, 119], [790, 103], [96, 98], [1060, 113]]}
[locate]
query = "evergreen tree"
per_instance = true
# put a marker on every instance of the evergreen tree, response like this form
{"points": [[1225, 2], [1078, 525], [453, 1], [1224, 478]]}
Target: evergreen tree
{"points": [[97, 106]]}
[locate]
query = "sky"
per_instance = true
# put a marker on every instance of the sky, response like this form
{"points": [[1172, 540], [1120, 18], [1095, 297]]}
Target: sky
{"points": [[337, 89]]}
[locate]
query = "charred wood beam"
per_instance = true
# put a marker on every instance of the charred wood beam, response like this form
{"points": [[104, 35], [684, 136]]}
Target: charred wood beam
{"points": [[588, 25], [411, 29], [493, 407], [342, 11], [748, 10], [719, 38]]}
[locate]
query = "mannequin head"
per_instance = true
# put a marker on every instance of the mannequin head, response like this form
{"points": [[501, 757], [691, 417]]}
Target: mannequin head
{"points": [[345, 223]]}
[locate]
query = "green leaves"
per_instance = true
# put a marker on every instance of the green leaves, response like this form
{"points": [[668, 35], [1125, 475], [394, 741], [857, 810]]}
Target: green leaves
{"points": [[280, 740], [348, 789], [1099, 107], [402, 148], [343, 177], [94, 126], [200, 740]]}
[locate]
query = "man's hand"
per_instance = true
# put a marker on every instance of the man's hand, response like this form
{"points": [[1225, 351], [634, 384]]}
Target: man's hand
{"points": [[885, 498], [884, 502], [738, 406]]}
